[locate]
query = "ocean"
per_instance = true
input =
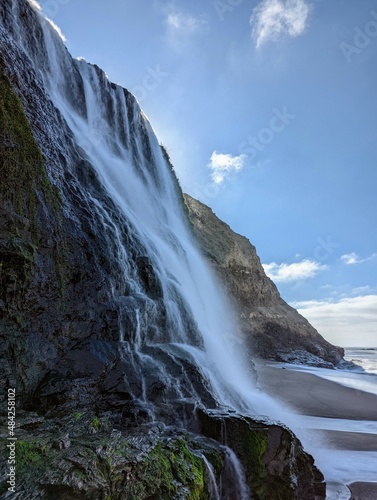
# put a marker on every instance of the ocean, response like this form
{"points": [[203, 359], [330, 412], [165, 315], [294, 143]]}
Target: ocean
{"points": [[363, 357]]}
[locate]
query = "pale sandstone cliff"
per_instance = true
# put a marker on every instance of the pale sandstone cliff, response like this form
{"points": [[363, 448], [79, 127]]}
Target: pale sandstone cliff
{"points": [[270, 328]]}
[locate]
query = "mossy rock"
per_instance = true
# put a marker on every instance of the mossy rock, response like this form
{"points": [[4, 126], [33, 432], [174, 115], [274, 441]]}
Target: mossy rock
{"points": [[170, 471], [30, 456], [21, 163], [275, 465], [24, 190], [106, 465]]}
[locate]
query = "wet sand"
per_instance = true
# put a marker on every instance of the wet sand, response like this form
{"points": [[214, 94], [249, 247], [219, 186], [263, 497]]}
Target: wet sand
{"points": [[363, 491], [311, 395]]}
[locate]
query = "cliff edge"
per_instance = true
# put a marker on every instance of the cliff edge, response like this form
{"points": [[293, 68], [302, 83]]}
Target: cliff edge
{"points": [[269, 327]]}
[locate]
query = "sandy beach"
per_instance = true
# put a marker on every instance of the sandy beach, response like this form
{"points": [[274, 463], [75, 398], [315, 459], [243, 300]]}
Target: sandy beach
{"points": [[314, 396]]}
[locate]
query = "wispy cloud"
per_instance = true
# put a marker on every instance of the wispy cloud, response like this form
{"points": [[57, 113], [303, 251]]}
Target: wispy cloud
{"points": [[224, 165], [350, 321], [274, 18], [354, 258], [185, 24], [298, 271], [182, 27]]}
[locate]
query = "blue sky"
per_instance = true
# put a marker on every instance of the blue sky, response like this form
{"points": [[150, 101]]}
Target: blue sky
{"points": [[268, 109]]}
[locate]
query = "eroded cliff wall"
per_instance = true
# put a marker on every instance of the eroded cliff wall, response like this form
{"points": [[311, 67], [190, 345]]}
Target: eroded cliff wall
{"points": [[270, 328]]}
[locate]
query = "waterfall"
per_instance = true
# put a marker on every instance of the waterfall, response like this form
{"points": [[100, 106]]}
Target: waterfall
{"points": [[116, 139], [172, 312], [118, 142], [234, 470], [213, 489]]}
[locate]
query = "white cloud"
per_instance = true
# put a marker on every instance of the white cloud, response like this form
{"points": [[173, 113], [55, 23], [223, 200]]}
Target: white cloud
{"points": [[273, 18], [297, 271], [223, 165], [353, 258], [350, 321]]}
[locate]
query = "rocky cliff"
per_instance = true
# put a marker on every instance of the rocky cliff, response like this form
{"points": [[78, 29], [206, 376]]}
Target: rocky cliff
{"points": [[269, 327], [93, 315]]}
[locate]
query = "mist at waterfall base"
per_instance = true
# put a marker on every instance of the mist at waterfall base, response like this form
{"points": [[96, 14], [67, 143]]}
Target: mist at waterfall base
{"points": [[119, 143]]}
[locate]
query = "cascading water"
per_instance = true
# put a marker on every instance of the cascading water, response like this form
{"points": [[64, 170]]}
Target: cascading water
{"points": [[234, 469], [213, 488], [172, 311], [119, 143]]}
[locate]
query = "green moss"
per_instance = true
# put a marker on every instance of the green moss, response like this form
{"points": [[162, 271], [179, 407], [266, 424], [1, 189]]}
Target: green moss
{"points": [[29, 456], [80, 474], [170, 470], [21, 163], [262, 482], [96, 424], [257, 441], [188, 468], [78, 416], [24, 181], [158, 470]]}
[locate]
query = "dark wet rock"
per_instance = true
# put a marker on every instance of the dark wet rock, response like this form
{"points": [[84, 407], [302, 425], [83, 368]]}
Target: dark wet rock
{"points": [[148, 277], [275, 464]]}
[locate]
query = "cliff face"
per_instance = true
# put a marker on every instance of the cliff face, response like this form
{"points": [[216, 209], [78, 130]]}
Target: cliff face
{"points": [[107, 404], [270, 328]]}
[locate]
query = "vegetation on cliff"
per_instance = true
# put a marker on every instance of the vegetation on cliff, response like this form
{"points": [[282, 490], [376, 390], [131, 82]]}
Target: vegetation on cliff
{"points": [[24, 190], [23, 175]]}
